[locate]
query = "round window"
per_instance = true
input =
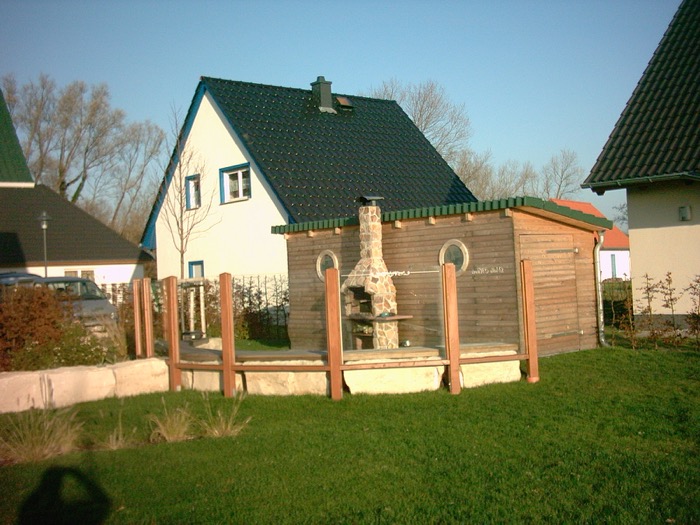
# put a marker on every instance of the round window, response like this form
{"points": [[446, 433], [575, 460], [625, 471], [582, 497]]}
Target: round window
{"points": [[325, 260], [455, 252]]}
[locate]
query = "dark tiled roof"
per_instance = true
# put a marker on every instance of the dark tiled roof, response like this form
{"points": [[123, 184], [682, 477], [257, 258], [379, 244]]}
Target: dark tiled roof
{"points": [[72, 236], [530, 203], [658, 133], [318, 163], [13, 166]]}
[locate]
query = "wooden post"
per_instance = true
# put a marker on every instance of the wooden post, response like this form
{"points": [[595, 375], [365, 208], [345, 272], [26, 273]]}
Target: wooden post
{"points": [[529, 325], [228, 350], [148, 316], [172, 333], [137, 286], [449, 304], [333, 333]]}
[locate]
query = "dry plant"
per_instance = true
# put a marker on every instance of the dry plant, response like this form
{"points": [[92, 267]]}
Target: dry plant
{"points": [[224, 422], [118, 439], [172, 426], [39, 434]]}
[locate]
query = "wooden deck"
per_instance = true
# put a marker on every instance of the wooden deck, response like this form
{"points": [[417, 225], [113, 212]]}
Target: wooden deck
{"points": [[192, 353]]}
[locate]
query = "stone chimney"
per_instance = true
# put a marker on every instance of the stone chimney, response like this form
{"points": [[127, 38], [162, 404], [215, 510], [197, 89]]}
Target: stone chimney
{"points": [[322, 97], [370, 276]]}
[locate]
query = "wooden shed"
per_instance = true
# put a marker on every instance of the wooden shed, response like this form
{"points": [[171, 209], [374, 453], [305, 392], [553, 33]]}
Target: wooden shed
{"points": [[390, 280]]}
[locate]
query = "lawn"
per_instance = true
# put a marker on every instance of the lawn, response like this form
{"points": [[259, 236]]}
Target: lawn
{"points": [[606, 436]]}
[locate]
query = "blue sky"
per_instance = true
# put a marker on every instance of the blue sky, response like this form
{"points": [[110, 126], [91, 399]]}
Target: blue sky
{"points": [[535, 76]]}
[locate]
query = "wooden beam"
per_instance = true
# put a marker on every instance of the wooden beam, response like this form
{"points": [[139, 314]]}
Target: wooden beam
{"points": [[333, 333], [228, 350], [529, 321], [137, 286], [148, 317], [172, 333], [449, 303]]}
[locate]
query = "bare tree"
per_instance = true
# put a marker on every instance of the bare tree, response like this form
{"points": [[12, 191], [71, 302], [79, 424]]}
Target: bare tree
{"points": [[621, 214], [79, 146], [185, 209], [488, 183], [560, 177], [445, 124], [31, 108]]}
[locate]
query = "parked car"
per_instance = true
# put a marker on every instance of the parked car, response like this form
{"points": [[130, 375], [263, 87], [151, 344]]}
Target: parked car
{"points": [[90, 304], [18, 278]]}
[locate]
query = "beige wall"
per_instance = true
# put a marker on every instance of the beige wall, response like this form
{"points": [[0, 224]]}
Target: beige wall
{"points": [[659, 241], [235, 237]]}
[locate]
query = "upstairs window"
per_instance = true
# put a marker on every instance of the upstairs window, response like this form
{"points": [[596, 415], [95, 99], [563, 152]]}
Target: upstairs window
{"points": [[235, 183], [193, 193]]}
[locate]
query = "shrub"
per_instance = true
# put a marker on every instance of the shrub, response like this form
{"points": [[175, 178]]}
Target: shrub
{"points": [[75, 347], [28, 316], [174, 425], [39, 434], [223, 423], [37, 331]]}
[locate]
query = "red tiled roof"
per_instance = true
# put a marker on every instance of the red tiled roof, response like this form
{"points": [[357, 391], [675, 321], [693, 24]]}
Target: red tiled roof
{"points": [[615, 239]]}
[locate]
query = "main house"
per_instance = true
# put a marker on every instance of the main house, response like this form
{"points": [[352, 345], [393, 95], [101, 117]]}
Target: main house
{"points": [[653, 153], [253, 156], [72, 242]]}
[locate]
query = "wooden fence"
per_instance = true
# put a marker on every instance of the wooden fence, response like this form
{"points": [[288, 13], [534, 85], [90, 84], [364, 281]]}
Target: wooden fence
{"points": [[334, 364]]}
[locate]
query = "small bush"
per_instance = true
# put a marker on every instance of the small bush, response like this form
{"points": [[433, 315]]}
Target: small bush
{"points": [[118, 439], [172, 426], [224, 422], [75, 347], [28, 317], [39, 434]]}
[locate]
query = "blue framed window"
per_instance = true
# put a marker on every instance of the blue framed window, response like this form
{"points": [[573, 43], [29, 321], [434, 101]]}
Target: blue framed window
{"points": [[234, 183], [193, 192], [195, 269]]}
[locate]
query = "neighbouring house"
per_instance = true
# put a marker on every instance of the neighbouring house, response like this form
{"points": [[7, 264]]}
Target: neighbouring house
{"points": [[76, 243], [653, 153], [389, 265], [252, 156], [615, 251]]}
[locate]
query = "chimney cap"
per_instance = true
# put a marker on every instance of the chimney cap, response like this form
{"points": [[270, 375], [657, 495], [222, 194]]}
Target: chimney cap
{"points": [[370, 200]]}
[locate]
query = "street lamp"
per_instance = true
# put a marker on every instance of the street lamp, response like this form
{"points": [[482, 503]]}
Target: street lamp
{"points": [[44, 221]]}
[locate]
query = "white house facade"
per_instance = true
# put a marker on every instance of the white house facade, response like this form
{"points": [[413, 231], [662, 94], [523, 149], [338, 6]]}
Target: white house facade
{"points": [[664, 221], [232, 219], [253, 156]]}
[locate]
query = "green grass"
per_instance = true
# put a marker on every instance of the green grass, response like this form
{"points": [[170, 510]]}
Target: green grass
{"points": [[606, 436]]}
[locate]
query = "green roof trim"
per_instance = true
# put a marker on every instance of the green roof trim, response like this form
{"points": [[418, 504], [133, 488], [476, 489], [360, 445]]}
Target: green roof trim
{"points": [[453, 209]]}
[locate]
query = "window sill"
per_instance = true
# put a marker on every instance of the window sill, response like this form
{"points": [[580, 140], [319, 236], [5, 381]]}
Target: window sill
{"points": [[235, 200]]}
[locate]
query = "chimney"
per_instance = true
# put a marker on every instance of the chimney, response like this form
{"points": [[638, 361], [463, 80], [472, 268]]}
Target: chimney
{"points": [[371, 278], [321, 92]]}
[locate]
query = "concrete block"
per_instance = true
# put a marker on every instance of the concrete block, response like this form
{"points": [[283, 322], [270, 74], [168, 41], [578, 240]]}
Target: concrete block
{"points": [[21, 391], [477, 374], [140, 377], [393, 380], [78, 384], [286, 383]]}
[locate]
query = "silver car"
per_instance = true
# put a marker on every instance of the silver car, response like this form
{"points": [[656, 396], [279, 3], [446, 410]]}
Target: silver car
{"points": [[90, 304]]}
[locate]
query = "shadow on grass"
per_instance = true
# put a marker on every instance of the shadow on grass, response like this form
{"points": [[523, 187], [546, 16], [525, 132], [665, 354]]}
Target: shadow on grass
{"points": [[65, 495]]}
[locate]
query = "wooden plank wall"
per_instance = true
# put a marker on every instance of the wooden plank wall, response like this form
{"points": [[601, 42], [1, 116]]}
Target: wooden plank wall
{"points": [[487, 290], [489, 300], [565, 299]]}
